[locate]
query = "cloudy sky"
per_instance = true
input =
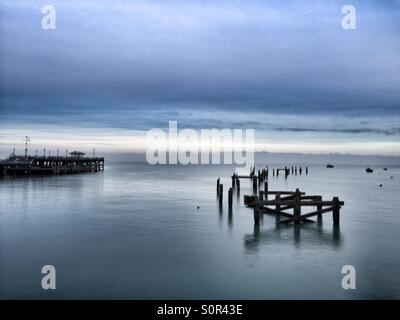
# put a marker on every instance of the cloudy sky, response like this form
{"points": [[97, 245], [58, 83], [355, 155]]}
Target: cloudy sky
{"points": [[114, 69]]}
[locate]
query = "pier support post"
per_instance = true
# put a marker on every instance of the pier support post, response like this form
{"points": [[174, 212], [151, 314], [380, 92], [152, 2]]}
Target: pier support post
{"points": [[255, 184], [336, 211], [297, 206], [261, 195], [319, 208], [266, 189], [278, 206], [238, 186], [218, 186], [230, 198], [256, 212], [221, 192], [306, 170]]}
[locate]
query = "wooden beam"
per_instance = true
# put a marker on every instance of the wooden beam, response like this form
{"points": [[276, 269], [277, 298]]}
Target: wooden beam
{"points": [[308, 215]]}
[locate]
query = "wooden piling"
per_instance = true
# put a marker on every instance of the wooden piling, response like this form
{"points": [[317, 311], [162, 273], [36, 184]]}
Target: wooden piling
{"points": [[238, 186], [233, 181], [230, 198], [255, 184], [261, 195], [297, 205], [306, 170], [319, 208], [221, 192], [266, 190], [278, 206], [218, 186], [336, 210], [256, 212]]}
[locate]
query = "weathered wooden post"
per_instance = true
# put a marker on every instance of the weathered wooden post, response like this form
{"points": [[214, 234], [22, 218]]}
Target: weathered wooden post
{"points": [[221, 192], [273, 172], [292, 169], [255, 184], [256, 211], [261, 195], [336, 210], [267, 173], [230, 198], [266, 189], [277, 172], [319, 208], [295, 171], [297, 205], [306, 170], [278, 206], [233, 181], [218, 186], [238, 186], [300, 170]]}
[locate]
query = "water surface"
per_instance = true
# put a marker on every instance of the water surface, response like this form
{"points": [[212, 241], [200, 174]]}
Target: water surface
{"points": [[134, 232]]}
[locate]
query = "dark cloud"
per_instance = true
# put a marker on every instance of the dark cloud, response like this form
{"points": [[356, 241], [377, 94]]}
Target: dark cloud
{"points": [[388, 132]]}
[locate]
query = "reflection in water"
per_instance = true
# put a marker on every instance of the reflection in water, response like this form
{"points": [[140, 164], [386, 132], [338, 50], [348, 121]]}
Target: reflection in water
{"points": [[303, 234], [230, 218]]}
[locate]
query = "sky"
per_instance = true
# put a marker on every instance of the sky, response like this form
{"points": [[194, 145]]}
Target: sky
{"points": [[112, 70]]}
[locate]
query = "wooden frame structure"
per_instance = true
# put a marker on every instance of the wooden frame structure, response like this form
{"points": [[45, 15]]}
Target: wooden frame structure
{"points": [[283, 202]]}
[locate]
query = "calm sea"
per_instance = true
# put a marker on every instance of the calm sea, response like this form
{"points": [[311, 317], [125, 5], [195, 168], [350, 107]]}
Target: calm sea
{"points": [[135, 231]]}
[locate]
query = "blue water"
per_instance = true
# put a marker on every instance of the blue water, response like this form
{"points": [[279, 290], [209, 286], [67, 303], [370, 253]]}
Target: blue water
{"points": [[134, 231]]}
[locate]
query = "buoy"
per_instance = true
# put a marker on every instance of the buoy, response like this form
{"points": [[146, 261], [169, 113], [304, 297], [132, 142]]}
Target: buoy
{"points": [[380, 185]]}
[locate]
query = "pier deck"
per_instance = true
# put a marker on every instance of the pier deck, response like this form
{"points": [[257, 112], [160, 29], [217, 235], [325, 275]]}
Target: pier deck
{"points": [[31, 165]]}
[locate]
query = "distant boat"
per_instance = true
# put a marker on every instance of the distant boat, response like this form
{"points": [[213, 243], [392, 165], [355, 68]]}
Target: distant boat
{"points": [[385, 169], [330, 165], [369, 170]]}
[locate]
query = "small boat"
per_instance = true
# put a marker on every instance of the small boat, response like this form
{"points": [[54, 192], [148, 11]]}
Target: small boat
{"points": [[369, 170], [330, 165]]}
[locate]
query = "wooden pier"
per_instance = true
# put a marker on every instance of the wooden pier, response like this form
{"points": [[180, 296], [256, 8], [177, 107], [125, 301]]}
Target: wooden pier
{"points": [[288, 206], [76, 162]]}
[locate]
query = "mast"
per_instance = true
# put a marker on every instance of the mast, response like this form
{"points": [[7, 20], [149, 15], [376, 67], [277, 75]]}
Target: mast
{"points": [[27, 140]]}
